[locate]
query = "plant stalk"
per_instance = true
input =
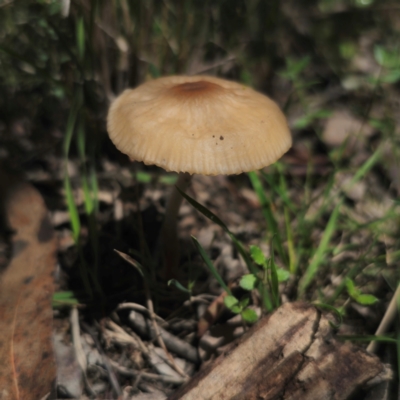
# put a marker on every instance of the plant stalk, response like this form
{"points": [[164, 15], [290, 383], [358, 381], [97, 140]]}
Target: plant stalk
{"points": [[169, 230]]}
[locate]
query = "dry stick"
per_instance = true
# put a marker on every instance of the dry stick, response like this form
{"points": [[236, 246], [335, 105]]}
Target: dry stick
{"points": [[140, 308], [133, 339], [120, 334], [80, 354], [152, 314], [76, 339], [106, 361], [173, 343], [387, 320], [132, 373], [160, 340]]}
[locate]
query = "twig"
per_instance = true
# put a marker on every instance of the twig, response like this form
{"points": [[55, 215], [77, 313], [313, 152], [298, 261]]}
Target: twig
{"points": [[154, 377], [76, 340], [150, 308], [80, 354], [140, 308], [130, 338], [172, 342], [387, 320], [106, 361], [159, 338]]}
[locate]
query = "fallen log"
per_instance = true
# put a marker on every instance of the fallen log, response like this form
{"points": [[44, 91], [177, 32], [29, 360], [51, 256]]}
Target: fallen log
{"points": [[290, 354]]}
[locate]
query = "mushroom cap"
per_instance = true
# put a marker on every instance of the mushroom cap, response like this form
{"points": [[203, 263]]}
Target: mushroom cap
{"points": [[198, 124]]}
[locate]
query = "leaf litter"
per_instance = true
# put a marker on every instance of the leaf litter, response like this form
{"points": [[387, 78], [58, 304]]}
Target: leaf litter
{"points": [[27, 369], [321, 98]]}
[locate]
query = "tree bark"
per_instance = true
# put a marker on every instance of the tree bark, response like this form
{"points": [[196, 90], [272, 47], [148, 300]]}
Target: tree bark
{"points": [[290, 354]]}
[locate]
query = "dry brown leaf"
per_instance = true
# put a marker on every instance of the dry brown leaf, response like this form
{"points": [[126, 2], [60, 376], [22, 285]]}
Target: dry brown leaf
{"points": [[27, 369], [213, 311]]}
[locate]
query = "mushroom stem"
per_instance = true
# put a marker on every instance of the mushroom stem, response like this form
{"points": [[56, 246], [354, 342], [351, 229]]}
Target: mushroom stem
{"points": [[169, 230]]}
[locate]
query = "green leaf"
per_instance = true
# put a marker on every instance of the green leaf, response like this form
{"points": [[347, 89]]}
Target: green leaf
{"points": [[295, 67], [143, 177], [351, 289], [283, 275], [210, 265], [230, 301], [386, 58], [63, 299], [248, 282], [168, 179], [244, 302], [391, 76], [178, 285], [67, 294], [356, 295], [249, 315], [257, 255], [366, 299]]}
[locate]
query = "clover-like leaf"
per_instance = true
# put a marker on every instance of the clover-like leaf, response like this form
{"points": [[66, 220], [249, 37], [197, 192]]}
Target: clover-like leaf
{"points": [[249, 315], [248, 282]]}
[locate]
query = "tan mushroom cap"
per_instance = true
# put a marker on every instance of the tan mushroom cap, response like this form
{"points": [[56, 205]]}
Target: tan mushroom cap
{"points": [[198, 124]]}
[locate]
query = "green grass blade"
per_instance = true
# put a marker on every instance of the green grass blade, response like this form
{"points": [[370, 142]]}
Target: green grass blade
{"points": [[63, 299], [179, 286], [207, 213], [274, 278], [265, 203], [280, 192], [80, 37], [363, 170], [94, 187], [268, 214], [321, 250], [69, 131], [397, 294], [328, 307], [367, 338], [291, 247], [265, 297], [243, 253], [81, 139], [72, 209], [87, 196], [210, 266]]}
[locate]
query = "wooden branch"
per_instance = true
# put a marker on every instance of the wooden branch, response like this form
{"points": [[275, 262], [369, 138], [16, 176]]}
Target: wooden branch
{"points": [[290, 354]]}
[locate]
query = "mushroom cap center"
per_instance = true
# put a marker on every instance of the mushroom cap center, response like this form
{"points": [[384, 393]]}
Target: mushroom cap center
{"points": [[195, 89]]}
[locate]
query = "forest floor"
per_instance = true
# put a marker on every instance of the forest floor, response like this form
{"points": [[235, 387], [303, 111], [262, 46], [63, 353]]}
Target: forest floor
{"points": [[331, 203]]}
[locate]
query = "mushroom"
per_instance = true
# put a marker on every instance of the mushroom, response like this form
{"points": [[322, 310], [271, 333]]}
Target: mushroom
{"points": [[196, 125]]}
